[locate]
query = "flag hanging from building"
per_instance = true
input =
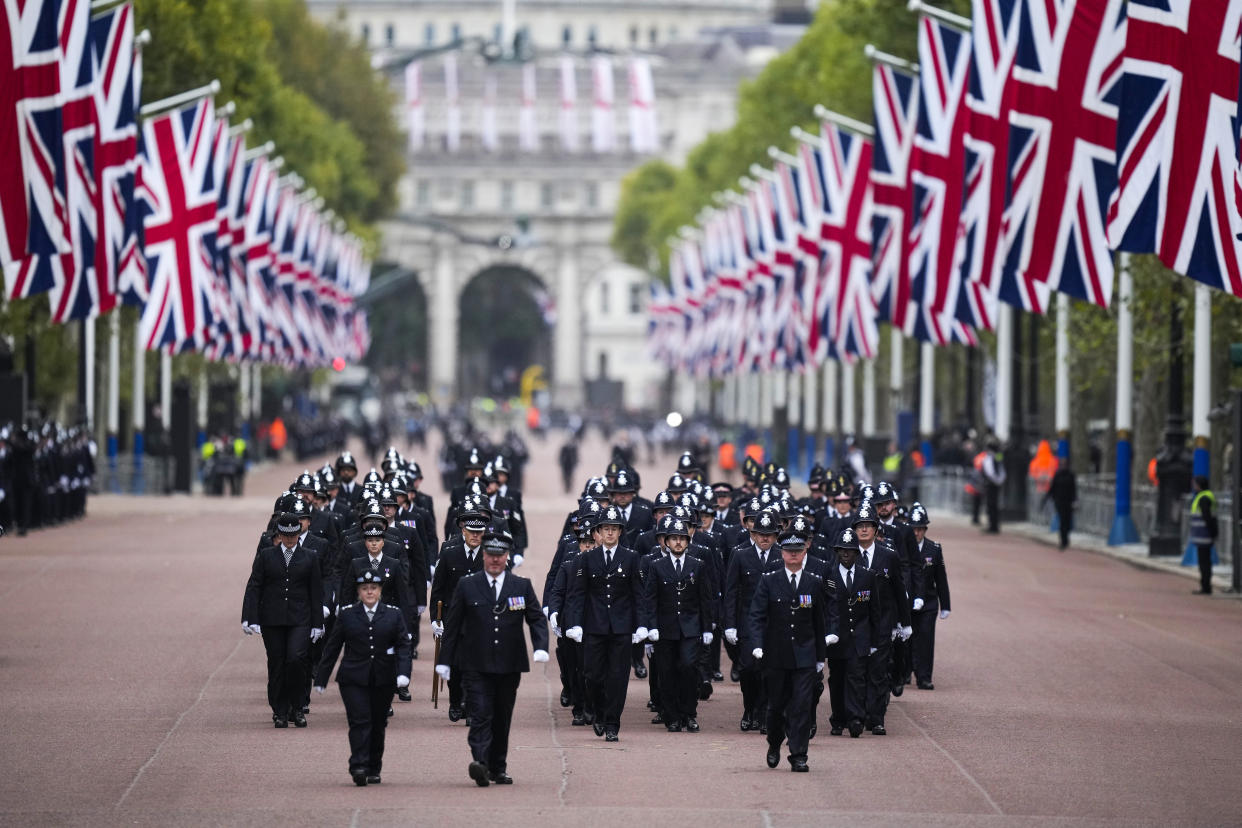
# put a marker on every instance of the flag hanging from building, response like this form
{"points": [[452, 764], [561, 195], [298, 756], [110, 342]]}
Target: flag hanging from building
{"points": [[568, 114], [1177, 139], [528, 125], [488, 135], [644, 134], [1062, 152], [603, 126], [416, 124], [452, 105]]}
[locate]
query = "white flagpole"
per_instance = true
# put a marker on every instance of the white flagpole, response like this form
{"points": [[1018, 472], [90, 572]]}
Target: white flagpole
{"points": [[1004, 370], [1201, 400], [568, 111], [452, 113], [414, 105], [603, 128]]}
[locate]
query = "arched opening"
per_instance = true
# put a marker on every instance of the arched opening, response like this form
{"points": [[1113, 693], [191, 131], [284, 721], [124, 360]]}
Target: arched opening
{"points": [[505, 326], [397, 314]]}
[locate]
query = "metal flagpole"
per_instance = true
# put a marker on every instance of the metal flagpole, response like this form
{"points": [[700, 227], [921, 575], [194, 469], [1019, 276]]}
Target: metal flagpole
{"points": [[114, 397], [896, 376], [829, 412], [140, 408], [1123, 529], [927, 412], [810, 414], [1062, 379], [1201, 400], [1004, 371]]}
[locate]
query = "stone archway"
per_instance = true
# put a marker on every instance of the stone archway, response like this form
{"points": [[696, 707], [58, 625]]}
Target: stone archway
{"points": [[505, 325]]}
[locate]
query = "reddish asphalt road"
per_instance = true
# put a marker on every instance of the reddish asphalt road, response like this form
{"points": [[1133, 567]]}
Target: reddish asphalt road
{"points": [[1070, 689]]}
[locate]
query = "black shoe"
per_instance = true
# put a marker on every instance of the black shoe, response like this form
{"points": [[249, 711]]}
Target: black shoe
{"points": [[299, 720], [454, 714], [280, 721], [814, 730], [589, 718], [651, 705], [1202, 592], [403, 693], [373, 778], [564, 699], [926, 685], [657, 719], [763, 728], [673, 727], [359, 777], [640, 671], [735, 675], [306, 708], [798, 766], [612, 736], [836, 731], [478, 772], [501, 778], [414, 654], [744, 725], [705, 690], [879, 730], [577, 721], [898, 689], [717, 676], [774, 758], [856, 729], [692, 725], [390, 712], [598, 727]]}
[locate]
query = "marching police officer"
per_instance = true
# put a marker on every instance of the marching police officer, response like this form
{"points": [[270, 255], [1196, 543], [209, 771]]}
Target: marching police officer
{"points": [[377, 662], [483, 639], [790, 626], [460, 556], [852, 588], [747, 565], [933, 600], [282, 603]]}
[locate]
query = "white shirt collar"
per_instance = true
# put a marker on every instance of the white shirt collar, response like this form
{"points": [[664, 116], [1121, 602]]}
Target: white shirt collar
{"points": [[797, 575], [365, 608], [500, 580], [845, 571], [371, 557]]}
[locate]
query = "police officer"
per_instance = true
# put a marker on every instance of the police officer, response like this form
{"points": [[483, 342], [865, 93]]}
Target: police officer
{"points": [[789, 628], [601, 612], [894, 613], [282, 603], [747, 564], [457, 560], [376, 663], [1203, 531], [677, 610], [933, 601], [483, 639], [852, 588]]}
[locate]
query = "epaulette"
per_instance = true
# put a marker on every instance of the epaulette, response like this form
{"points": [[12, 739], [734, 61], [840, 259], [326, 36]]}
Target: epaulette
{"points": [[390, 606], [347, 606], [830, 582]]}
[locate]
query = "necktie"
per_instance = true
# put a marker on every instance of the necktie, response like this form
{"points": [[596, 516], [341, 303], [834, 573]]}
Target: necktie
{"points": [[793, 582], [375, 563], [849, 578], [288, 554], [607, 559], [370, 615], [495, 591], [677, 566]]}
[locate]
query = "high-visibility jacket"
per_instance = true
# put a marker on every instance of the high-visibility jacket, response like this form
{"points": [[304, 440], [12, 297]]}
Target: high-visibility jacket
{"points": [[892, 463], [1200, 532]]}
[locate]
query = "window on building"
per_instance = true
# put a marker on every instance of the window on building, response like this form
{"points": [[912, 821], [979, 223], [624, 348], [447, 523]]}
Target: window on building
{"points": [[467, 195], [672, 32], [633, 35], [366, 34], [546, 194], [567, 34], [653, 35], [636, 298], [604, 298], [592, 35], [390, 34], [456, 30], [429, 34], [603, 365], [592, 195], [444, 189], [497, 30], [506, 195], [423, 193]]}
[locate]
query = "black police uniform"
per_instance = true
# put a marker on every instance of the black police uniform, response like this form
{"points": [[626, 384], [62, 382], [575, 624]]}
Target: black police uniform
{"points": [[935, 595], [894, 610], [678, 601], [745, 570], [456, 562], [377, 650], [484, 640], [857, 604]]}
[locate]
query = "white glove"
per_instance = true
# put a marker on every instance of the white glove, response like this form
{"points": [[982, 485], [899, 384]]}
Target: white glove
{"points": [[443, 671], [653, 636], [905, 633], [831, 639], [918, 604], [437, 628], [872, 651], [320, 690], [819, 666], [731, 635], [421, 610], [547, 612], [649, 650], [640, 634], [944, 614], [757, 652], [557, 631], [574, 634], [433, 573], [518, 560], [553, 618], [316, 634], [896, 632], [326, 611], [707, 638], [246, 629], [540, 656], [256, 629], [403, 681]]}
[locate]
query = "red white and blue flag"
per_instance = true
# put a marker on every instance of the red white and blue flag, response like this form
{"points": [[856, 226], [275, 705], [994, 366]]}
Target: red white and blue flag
{"points": [[1177, 139]]}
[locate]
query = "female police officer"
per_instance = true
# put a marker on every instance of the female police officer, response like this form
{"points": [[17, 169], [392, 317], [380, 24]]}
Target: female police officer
{"points": [[377, 662]]}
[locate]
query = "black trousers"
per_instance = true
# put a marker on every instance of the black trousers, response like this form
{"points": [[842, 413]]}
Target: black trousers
{"points": [[313, 654], [490, 697], [976, 503], [790, 698], [902, 662], [1205, 566], [606, 661], [847, 690], [991, 494], [1065, 524], [456, 695], [713, 654], [879, 682], [676, 662], [923, 644], [754, 687], [287, 659], [366, 710]]}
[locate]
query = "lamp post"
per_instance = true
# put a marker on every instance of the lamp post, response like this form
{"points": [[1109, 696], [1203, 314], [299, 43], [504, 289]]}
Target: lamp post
{"points": [[1173, 461]]}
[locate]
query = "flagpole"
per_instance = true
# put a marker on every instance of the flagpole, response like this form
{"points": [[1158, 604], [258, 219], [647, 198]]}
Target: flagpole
{"points": [[847, 400], [140, 408], [1062, 379], [829, 415], [844, 121], [1004, 371], [165, 390], [1123, 529], [201, 414], [948, 18], [810, 413], [88, 371], [868, 397], [896, 376], [1201, 400], [114, 397], [181, 99], [875, 55], [927, 410]]}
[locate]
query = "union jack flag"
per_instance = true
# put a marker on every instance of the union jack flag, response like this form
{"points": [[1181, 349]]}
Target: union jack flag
{"points": [[258, 200], [797, 260], [994, 43], [179, 200], [895, 97], [937, 163], [1177, 139], [839, 172], [30, 130], [1062, 152]]}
